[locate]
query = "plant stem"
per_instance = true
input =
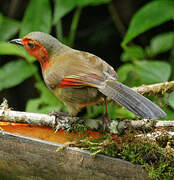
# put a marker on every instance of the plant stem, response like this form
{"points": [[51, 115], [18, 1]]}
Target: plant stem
{"points": [[171, 58], [116, 19], [37, 76], [74, 25], [59, 30]]}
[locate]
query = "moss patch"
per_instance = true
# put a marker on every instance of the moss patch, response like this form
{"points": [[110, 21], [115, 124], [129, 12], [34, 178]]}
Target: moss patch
{"points": [[156, 156]]}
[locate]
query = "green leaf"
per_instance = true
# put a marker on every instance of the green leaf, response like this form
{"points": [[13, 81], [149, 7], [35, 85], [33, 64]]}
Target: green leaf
{"points": [[162, 43], [123, 113], [95, 112], [116, 111], [8, 28], [37, 17], [169, 112], [123, 71], [153, 71], [15, 72], [61, 8], [46, 102], [133, 53], [91, 2], [12, 49], [171, 100], [151, 15]]}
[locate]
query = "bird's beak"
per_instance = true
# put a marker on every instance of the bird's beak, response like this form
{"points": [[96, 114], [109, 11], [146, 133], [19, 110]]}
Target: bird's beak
{"points": [[16, 41]]}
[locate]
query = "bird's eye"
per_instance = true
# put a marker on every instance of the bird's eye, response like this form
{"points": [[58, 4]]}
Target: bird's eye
{"points": [[31, 45]]}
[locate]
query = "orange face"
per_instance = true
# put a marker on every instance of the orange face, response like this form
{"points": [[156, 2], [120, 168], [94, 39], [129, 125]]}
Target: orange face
{"points": [[36, 50]]}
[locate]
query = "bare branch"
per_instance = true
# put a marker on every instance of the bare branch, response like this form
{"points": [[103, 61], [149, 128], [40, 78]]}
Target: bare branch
{"points": [[25, 117]]}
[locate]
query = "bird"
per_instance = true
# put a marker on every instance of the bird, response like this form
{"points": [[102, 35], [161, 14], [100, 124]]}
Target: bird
{"points": [[80, 79]]}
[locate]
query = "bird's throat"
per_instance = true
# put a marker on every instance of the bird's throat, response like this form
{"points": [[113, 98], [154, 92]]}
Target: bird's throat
{"points": [[39, 52]]}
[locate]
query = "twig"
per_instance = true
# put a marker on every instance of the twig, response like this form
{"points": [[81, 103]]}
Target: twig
{"points": [[164, 124], [29, 118], [155, 88], [157, 134]]}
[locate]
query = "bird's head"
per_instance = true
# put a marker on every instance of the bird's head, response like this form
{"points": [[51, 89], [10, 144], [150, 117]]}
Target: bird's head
{"points": [[39, 45]]}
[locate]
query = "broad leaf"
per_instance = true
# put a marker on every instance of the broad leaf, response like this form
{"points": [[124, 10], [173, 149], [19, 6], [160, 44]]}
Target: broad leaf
{"points": [[169, 112], [151, 15], [61, 8], [9, 27], [15, 72], [123, 71], [12, 49], [162, 43], [171, 100], [37, 17], [133, 53], [153, 71], [91, 2]]}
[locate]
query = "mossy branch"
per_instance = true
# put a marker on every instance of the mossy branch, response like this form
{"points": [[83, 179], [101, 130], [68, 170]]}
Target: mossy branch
{"points": [[73, 123], [155, 88]]}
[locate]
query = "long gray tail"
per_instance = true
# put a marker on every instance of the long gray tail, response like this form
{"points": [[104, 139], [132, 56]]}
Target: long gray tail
{"points": [[131, 100]]}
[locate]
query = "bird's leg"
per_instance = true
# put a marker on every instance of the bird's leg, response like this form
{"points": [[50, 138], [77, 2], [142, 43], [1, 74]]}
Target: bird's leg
{"points": [[106, 118]]}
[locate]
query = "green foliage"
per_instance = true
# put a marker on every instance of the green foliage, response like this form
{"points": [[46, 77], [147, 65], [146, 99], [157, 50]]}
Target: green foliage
{"points": [[123, 71], [153, 71], [91, 2], [9, 27], [46, 102], [162, 43], [171, 100], [149, 71], [11, 49], [37, 17], [133, 53], [157, 160], [62, 7], [144, 72], [149, 16], [114, 111], [15, 72]]}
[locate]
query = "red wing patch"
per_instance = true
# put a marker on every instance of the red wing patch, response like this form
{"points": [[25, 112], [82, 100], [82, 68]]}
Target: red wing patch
{"points": [[89, 80]]}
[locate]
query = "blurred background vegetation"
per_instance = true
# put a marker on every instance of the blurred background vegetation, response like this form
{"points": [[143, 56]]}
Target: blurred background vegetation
{"points": [[135, 37]]}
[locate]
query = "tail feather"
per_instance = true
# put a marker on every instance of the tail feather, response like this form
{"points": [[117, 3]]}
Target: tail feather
{"points": [[131, 100]]}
